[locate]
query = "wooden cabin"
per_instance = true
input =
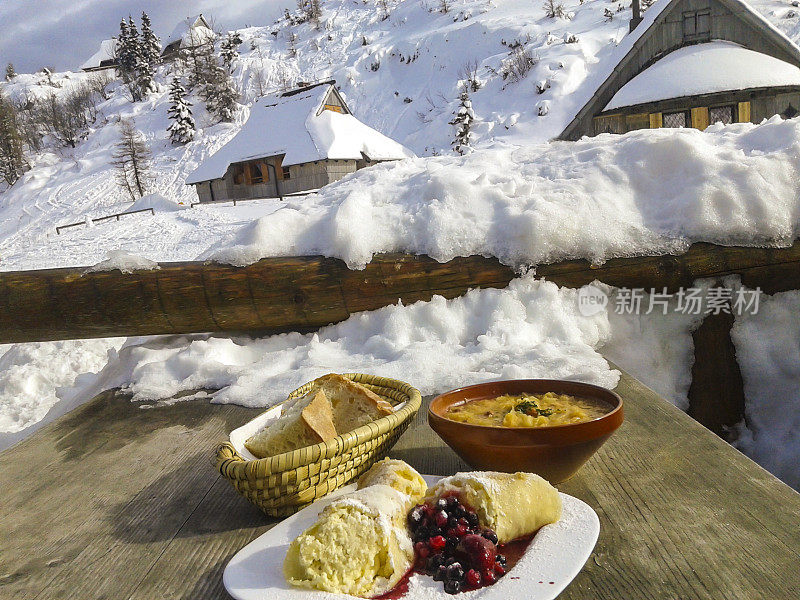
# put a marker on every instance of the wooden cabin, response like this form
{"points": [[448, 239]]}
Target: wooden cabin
{"points": [[691, 63], [191, 31], [292, 143], [104, 58]]}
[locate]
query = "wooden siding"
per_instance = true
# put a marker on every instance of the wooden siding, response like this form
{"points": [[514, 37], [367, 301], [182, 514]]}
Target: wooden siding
{"points": [[729, 21], [656, 120], [744, 112], [750, 106], [303, 177], [700, 117]]}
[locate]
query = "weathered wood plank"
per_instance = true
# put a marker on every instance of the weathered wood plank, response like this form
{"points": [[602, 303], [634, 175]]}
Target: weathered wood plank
{"points": [[683, 515], [126, 504], [102, 490], [305, 293], [716, 396]]}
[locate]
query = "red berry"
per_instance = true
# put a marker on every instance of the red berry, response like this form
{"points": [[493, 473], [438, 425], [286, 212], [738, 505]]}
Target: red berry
{"points": [[499, 569], [422, 549], [440, 518], [460, 530], [481, 552], [437, 543], [473, 578], [489, 577]]}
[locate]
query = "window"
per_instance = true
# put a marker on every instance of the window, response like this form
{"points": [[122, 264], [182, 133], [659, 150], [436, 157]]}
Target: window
{"points": [[697, 25], [238, 174], [256, 174], [334, 108], [285, 172], [676, 119], [721, 114], [253, 172]]}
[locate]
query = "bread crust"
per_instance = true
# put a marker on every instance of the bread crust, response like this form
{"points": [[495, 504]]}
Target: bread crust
{"points": [[333, 405]]}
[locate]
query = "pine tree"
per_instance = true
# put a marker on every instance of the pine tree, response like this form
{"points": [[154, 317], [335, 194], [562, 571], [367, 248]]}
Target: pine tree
{"points": [[462, 121], [220, 94], [12, 157], [229, 49], [197, 56], [218, 91], [151, 45], [131, 160], [142, 73], [124, 63], [129, 60], [182, 130], [10, 72]]}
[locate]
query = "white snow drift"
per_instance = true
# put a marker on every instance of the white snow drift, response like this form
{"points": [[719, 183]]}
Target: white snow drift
{"points": [[646, 192]]}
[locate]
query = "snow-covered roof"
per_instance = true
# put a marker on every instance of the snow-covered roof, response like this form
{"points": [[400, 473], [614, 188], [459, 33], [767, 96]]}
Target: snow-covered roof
{"points": [[107, 51], [298, 127], [704, 69], [197, 23], [604, 73]]}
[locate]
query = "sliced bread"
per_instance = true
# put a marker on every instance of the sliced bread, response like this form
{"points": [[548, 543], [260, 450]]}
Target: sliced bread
{"points": [[307, 421], [353, 405]]}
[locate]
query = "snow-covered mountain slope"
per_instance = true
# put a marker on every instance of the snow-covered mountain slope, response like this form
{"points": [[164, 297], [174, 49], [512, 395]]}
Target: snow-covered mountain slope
{"points": [[401, 75]]}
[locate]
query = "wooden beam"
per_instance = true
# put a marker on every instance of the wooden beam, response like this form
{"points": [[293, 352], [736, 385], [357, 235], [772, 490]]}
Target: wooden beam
{"points": [[305, 293], [716, 396]]}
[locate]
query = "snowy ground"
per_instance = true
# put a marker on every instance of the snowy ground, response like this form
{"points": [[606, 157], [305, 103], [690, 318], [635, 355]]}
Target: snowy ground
{"points": [[516, 196]]}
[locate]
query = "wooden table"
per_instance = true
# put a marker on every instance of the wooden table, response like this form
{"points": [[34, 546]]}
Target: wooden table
{"points": [[119, 501]]}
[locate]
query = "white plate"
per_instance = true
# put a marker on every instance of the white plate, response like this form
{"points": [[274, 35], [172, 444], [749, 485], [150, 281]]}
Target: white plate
{"points": [[553, 559]]}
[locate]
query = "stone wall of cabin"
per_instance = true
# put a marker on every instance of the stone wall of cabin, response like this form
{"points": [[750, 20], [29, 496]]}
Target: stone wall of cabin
{"points": [[668, 36]]}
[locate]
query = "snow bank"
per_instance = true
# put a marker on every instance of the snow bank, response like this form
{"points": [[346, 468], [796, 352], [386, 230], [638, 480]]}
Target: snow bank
{"points": [[42, 381], [123, 261], [656, 348], [768, 352], [646, 192], [158, 203], [530, 329]]}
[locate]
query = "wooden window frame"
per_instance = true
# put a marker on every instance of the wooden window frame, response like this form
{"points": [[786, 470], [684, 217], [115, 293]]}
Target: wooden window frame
{"points": [[691, 24], [734, 112], [261, 176], [687, 118], [285, 173]]}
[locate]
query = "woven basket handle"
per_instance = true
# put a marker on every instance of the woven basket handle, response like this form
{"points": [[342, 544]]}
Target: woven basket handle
{"points": [[227, 456]]}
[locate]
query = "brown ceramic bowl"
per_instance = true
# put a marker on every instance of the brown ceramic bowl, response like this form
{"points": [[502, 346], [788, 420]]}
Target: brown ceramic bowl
{"points": [[555, 452]]}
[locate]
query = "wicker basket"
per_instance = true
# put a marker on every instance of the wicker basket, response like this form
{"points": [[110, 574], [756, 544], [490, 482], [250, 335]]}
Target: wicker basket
{"points": [[283, 484]]}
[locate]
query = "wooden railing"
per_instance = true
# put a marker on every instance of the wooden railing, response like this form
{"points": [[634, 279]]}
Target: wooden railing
{"points": [[106, 218], [305, 293]]}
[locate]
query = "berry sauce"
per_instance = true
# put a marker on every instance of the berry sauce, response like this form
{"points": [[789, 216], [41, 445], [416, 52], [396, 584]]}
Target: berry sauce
{"points": [[451, 546]]}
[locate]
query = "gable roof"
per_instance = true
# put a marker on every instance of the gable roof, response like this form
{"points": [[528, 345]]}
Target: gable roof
{"points": [[606, 80], [182, 28], [299, 127], [107, 51]]}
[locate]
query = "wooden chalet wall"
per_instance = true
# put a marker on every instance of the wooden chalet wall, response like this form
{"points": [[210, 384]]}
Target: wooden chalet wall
{"points": [[306, 176], [729, 21]]}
